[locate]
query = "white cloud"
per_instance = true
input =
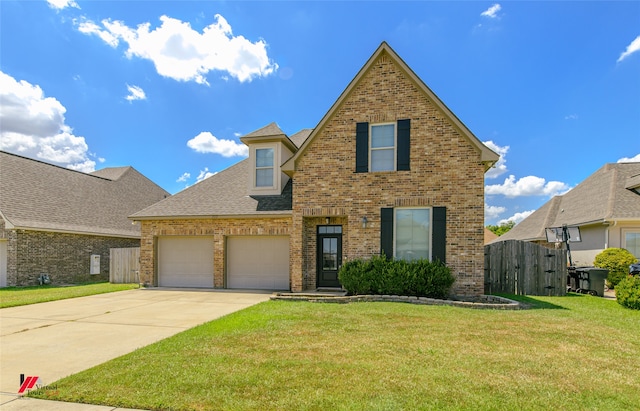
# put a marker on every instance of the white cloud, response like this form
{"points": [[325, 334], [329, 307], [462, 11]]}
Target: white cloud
{"points": [[204, 174], [89, 27], [492, 12], [183, 54], [571, 117], [635, 159], [517, 217], [34, 126], [501, 166], [61, 4], [135, 93], [493, 211], [633, 47], [526, 186], [206, 142], [183, 178]]}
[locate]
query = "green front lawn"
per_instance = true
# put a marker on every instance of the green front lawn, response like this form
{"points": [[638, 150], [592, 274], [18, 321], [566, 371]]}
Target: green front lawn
{"points": [[14, 296], [567, 353]]}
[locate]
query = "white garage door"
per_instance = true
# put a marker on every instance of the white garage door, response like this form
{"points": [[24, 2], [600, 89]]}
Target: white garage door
{"points": [[185, 262], [258, 262]]}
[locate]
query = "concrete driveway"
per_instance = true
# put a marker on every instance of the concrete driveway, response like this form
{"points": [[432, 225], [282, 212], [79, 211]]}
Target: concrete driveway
{"points": [[55, 339]]}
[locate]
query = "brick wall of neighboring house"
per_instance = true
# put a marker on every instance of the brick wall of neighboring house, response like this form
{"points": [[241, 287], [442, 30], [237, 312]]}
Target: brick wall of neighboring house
{"points": [[445, 171], [219, 229], [66, 258]]}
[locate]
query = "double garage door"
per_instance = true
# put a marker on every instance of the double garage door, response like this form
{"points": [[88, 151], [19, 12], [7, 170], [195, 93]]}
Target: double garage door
{"points": [[253, 262]]}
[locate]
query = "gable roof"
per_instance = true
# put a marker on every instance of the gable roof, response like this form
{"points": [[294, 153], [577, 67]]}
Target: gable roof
{"points": [[270, 132], [604, 196], [224, 194], [486, 154], [36, 195]]}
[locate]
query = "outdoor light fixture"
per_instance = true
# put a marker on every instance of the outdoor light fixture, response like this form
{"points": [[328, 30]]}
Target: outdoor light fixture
{"points": [[364, 222], [326, 220]]}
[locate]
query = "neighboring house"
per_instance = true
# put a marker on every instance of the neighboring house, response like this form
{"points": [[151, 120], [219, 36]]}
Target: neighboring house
{"points": [[605, 207], [58, 221], [489, 236], [388, 169]]}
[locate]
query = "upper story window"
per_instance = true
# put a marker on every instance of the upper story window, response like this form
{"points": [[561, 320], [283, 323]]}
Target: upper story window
{"points": [[264, 167], [382, 147]]}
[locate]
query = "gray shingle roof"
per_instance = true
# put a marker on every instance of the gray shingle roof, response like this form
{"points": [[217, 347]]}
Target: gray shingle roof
{"points": [[227, 192], [603, 196], [301, 136], [223, 194], [41, 196]]}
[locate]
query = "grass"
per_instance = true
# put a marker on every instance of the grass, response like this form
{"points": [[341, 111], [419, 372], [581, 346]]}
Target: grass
{"points": [[569, 353], [15, 296]]}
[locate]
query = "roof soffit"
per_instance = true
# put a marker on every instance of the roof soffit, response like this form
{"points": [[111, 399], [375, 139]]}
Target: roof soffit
{"points": [[488, 156]]}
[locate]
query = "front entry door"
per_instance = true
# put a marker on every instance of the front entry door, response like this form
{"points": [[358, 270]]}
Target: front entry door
{"points": [[329, 255]]}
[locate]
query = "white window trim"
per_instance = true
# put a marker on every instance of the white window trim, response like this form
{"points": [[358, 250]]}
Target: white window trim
{"points": [[254, 167], [623, 234], [395, 146], [430, 234]]}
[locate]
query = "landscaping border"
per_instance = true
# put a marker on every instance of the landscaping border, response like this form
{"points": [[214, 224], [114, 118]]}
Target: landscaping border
{"points": [[485, 302]]}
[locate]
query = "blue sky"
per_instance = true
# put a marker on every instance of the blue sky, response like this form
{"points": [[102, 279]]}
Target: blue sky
{"points": [[169, 86]]}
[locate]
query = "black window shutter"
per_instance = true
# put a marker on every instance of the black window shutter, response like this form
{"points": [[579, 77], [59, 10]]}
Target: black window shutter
{"points": [[362, 147], [404, 145], [439, 234], [386, 232]]}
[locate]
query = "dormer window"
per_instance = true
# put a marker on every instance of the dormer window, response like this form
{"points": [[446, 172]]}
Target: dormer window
{"points": [[269, 147], [264, 167]]}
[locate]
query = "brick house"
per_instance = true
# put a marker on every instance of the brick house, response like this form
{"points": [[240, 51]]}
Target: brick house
{"points": [[388, 169], [57, 221]]}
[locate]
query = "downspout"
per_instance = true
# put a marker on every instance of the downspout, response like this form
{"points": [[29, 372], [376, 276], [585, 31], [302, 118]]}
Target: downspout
{"points": [[606, 232]]}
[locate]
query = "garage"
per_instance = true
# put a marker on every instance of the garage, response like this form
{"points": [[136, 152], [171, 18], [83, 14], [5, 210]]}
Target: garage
{"points": [[258, 262], [185, 262]]}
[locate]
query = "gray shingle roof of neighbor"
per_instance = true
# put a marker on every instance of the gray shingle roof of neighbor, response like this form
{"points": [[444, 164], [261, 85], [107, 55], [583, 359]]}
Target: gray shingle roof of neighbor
{"points": [[604, 196], [227, 192], [40, 196]]}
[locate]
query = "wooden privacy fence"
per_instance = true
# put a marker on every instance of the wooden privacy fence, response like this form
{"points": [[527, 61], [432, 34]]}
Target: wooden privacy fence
{"points": [[124, 265], [520, 267]]}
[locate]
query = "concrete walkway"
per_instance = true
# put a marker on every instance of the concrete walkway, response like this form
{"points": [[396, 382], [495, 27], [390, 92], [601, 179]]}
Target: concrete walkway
{"points": [[56, 339]]}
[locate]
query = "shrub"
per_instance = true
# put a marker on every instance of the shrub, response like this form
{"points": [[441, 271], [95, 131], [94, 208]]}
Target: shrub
{"points": [[628, 292], [617, 261], [382, 276]]}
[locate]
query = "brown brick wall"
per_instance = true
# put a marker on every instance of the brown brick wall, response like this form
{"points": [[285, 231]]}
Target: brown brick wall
{"points": [[64, 257], [219, 229], [445, 171]]}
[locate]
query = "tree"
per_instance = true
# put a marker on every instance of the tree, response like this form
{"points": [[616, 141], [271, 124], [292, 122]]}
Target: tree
{"points": [[502, 228]]}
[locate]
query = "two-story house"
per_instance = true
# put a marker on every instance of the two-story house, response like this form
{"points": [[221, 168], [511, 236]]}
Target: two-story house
{"points": [[388, 169]]}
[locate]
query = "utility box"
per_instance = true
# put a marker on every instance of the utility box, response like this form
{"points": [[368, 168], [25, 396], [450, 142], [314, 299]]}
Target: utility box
{"points": [[95, 264]]}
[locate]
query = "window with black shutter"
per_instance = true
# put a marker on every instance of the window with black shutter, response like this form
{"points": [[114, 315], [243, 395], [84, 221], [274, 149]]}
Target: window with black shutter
{"points": [[383, 147]]}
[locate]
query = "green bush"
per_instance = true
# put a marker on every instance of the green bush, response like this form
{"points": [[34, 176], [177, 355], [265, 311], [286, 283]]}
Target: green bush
{"points": [[617, 261], [383, 276], [628, 292]]}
